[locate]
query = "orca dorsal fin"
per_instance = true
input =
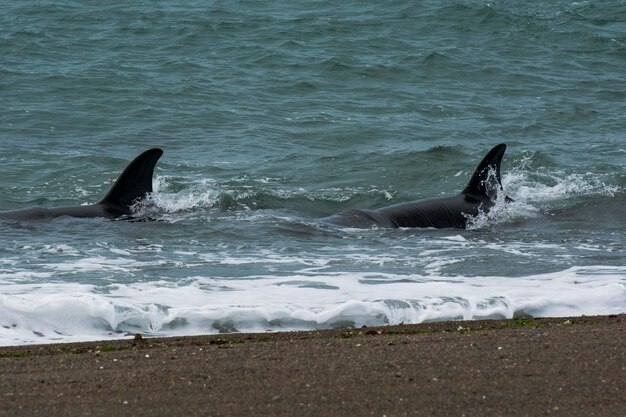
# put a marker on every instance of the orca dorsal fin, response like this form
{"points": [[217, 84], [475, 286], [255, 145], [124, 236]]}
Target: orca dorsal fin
{"points": [[480, 183], [134, 183]]}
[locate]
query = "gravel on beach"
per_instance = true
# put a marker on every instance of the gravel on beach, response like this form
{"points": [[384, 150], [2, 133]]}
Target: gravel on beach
{"points": [[521, 367]]}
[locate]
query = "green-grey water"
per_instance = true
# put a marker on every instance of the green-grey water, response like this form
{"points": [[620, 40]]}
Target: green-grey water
{"points": [[273, 115]]}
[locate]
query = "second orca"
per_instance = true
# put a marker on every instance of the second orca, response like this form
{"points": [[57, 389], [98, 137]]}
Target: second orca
{"points": [[446, 212]]}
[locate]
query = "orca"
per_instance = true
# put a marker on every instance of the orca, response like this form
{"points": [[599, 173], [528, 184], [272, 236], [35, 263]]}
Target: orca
{"points": [[446, 212], [131, 186]]}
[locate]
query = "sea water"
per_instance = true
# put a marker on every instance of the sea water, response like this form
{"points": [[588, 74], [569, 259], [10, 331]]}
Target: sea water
{"points": [[275, 114]]}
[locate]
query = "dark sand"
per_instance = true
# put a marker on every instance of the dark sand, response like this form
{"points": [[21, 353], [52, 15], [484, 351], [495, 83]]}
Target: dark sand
{"points": [[523, 367]]}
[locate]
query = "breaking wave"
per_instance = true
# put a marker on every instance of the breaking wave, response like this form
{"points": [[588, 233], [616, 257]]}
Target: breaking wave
{"points": [[63, 312]]}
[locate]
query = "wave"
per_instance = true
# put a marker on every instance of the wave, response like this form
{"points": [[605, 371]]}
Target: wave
{"points": [[540, 191], [534, 190], [64, 312]]}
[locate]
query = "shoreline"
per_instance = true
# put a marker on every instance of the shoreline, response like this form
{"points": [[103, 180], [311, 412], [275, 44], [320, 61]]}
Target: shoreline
{"points": [[448, 326], [544, 366]]}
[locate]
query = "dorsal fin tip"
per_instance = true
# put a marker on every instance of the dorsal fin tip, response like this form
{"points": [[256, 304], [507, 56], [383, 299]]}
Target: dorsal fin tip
{"points": [[134, 182], [478, 183]]}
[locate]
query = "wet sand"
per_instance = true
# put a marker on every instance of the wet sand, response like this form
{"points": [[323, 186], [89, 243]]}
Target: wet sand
{"points": [[522, 367]]}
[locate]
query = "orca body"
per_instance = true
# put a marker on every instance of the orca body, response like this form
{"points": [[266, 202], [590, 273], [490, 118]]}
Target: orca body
{"points": [[132, 185], [446, 212]]}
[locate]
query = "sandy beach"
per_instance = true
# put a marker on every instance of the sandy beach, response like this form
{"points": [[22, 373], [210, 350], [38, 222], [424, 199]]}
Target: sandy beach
{"points": [[521, 367]]}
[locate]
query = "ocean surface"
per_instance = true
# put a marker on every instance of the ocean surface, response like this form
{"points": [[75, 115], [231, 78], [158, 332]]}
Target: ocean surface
{"points": [[273, 115]]}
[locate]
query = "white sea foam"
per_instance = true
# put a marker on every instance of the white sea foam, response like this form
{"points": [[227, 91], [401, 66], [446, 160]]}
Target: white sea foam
{"points": [[200, 194], [46, 313], [535, 193], [206, 193]]}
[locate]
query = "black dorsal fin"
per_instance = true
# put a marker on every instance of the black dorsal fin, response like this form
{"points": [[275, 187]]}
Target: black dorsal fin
{"points": [[479, 184], [134, 183]]}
